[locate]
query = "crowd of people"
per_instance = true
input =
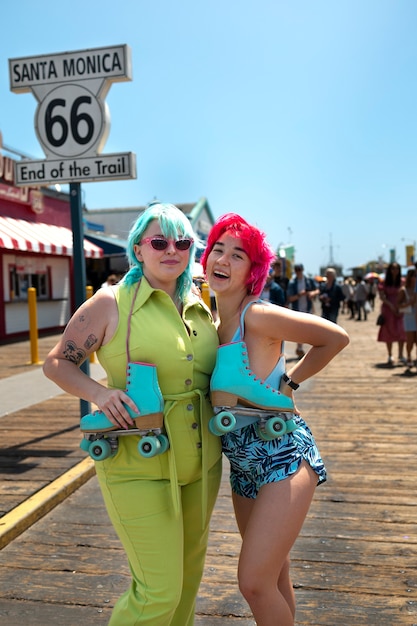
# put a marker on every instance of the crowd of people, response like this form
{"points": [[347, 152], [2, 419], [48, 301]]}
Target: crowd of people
{"points": [[300, 293], [355, 297], [191, 366]]}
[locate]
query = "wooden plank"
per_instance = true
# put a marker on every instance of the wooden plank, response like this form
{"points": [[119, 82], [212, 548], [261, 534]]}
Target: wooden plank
{"points": [[15, 357], [17, 613]]}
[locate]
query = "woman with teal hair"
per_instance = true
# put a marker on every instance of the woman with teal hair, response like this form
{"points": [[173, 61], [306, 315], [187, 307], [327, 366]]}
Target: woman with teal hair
{"points": [[153, 324]]}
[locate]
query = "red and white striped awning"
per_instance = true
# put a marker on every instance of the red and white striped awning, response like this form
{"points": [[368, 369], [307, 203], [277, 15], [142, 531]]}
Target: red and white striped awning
{"points": [[43, 238]]}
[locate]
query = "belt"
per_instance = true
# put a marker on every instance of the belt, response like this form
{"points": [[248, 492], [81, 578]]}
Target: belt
{"points": [[171, 402]]}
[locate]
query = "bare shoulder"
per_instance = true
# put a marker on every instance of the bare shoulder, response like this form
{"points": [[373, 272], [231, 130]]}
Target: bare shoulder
{"points": [[265, 309], [261, 317], [89, 328], [97, 309], [95, 320]]}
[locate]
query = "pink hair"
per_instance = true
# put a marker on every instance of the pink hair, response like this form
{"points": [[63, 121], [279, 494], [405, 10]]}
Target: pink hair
{"points": [[254, 243]]}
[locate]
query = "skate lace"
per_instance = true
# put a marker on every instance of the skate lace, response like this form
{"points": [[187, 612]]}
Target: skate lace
{"points": [[252, 375]]}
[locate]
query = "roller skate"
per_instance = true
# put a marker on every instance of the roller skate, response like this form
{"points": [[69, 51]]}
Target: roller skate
{"points": [[239, 398], [101, 435]]}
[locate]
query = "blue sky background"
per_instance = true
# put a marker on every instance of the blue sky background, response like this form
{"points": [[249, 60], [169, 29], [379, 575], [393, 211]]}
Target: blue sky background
{"points": [[299, 115]]}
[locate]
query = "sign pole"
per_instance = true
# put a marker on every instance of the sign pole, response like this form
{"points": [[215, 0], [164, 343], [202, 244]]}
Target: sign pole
{"points": [[79, 274]]}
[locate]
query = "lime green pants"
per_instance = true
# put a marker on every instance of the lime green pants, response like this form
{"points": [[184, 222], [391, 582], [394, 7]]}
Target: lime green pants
{"points": [[166, 552]]}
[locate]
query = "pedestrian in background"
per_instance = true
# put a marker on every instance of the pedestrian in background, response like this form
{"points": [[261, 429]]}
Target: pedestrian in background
{"points": [[348, 304], [301, 292], [273, 292], [331, 295], [160, 506], [279, 277], [372, 291], [407, 298], [392, 330], [111, 280], [361, 299], [415, 289]]}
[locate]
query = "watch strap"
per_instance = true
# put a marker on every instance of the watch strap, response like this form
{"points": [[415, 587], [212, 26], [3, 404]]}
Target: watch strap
{"points": [[288, 381]]}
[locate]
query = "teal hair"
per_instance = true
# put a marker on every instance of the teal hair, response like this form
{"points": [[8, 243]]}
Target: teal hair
{"points": [[174, 225]]}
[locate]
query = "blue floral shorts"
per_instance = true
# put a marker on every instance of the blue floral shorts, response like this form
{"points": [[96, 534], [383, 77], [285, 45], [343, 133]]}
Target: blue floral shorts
{"points": [[255, 462]]}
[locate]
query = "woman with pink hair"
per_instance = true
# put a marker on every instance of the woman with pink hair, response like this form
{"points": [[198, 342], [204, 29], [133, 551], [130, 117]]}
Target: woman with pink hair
{"points": [[273, 469]]}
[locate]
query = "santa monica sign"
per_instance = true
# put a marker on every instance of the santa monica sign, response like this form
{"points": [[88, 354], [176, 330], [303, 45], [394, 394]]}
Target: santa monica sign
{"points": [[72, 120], [69, 66]]}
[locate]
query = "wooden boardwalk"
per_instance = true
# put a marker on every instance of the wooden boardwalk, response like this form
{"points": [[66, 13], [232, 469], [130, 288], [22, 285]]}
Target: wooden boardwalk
{"points": [[355, 562]]}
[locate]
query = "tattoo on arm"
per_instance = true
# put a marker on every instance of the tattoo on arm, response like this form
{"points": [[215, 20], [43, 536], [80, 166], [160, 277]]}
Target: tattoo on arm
{"points": [[73, 353], [82, 321], [90, 342]]}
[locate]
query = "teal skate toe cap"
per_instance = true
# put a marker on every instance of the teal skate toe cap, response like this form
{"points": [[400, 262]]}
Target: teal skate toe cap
{"points": [[95, 422]]}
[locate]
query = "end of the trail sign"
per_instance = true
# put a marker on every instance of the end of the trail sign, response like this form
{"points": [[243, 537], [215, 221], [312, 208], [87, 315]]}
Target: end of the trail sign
{"points": [[120, 166], [72, 119]]}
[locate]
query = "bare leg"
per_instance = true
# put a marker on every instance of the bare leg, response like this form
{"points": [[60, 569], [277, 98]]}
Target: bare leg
{"points": [[243, 508], [269, 527], [409, 344], [400, 349], [285, 586]]}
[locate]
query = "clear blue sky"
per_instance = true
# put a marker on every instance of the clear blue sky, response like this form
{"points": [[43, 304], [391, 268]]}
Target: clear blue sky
{"points": [[299, 115]]}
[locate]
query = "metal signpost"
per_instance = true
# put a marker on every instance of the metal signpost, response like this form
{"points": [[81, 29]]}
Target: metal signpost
{"points": [[72, 123]]}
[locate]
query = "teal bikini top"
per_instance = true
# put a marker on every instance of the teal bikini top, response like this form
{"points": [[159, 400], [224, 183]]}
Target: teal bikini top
{"points": [[274, 377]]}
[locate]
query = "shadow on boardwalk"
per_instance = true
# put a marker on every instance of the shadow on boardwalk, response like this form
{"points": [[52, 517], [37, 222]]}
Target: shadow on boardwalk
{"points": [[354, 563]]}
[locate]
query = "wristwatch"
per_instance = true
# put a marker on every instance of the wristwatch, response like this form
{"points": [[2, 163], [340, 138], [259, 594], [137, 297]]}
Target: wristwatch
{"points": [[287, 380]]}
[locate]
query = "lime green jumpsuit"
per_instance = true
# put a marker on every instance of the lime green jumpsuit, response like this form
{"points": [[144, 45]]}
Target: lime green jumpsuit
{"points": [[161, 506]]}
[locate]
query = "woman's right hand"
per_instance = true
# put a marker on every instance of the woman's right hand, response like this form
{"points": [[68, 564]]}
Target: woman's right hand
{"points": [[113, 402]]}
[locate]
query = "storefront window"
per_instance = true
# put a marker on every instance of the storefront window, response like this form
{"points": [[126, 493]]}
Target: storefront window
{"points": [[20, 282]]}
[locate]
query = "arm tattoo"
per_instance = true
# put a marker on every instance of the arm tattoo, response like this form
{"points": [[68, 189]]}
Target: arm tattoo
{"points": [[82, 321], [72, 353], [90, 341]]}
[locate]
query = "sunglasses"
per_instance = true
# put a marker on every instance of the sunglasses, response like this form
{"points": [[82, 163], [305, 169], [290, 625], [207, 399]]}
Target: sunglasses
{"points": [[161, 243]]}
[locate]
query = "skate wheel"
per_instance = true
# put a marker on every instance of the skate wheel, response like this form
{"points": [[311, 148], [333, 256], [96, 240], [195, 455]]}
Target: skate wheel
{"points": [[163, 440], [291, 426], [275, 427], [99, 450], [149, 446], [223, 422], [212, 428], [85, 444], [263, 435]]}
